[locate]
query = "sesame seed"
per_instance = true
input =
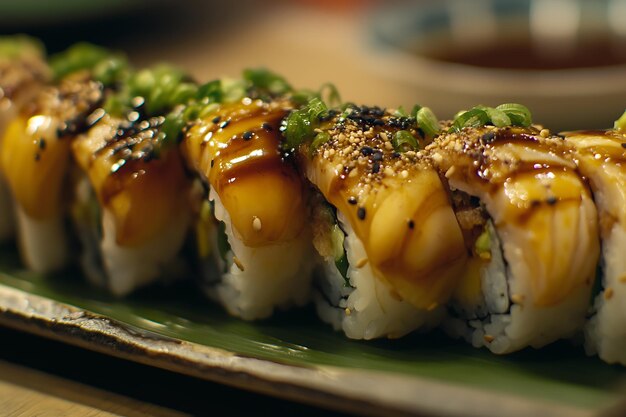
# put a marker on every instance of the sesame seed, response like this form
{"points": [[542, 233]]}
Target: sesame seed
{"points": [[247, 135], [377, 156], [256, 224], [544, 133], [366, 151], [437, 158], [216, 119], [376, 167], [488, 338], [42, 144], [404, 174], [352, 200], [37, 157], [623, 144], [608, 293], [339, 168], [348, 311], [551, 200], [360, 212], [389, 172], [237, 262], [388, 146], [383, 136], [267, 127], [450, 171], [224, 124], [411, 224]]}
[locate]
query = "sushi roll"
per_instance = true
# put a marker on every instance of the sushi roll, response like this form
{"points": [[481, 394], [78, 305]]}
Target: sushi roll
{"points": [[601, 157], [36, 151], [390, 247], [23, 72], [253, 239], [530, 226], [132, 204]]}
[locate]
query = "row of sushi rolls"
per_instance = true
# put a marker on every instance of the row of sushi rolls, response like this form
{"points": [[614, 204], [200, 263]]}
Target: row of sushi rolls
{"points": [[270, 197]]}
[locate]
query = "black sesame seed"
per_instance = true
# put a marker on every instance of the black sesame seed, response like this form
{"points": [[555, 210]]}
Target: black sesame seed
{"points": [[352, 200], [623, 144], [411, 224], [224, 124], [266, 126], [212, 162], [376, 167], [535, 203], [377, 156], [360, 212], [247, 135], [488, 137], [37, 157], [366, 151], [396, 154], [216, 119], [42, 143], [551, 200]]}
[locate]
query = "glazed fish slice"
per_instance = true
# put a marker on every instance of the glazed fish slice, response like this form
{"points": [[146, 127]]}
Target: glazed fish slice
{"points": [[36, 154], [23, 72], [391, 247], [253, 238], [601, 157], [532, 234], [133, 205]]}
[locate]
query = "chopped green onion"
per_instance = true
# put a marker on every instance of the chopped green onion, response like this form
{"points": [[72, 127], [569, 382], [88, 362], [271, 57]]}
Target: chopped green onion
{"points": [[483, 243], [498, 117], [620, 124], [85, 56], [401, 112], [19, 46], [519, 114], [427, 121], [300, 124], [162, 87], [509, 114], [265, 80], [404, 141], [320, 139], [172, 129], [475, 117], [332, 98]]}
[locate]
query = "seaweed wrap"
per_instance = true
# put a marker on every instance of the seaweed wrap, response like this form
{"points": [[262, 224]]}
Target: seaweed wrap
{"points": [[132, 203], [36, 151], [253, 239], [390, 247], [530, 225], [23, 72], [601, 157]]}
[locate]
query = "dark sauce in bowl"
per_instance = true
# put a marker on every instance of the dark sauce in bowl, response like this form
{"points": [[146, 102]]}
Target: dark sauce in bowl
{"points": [[523, 54]]}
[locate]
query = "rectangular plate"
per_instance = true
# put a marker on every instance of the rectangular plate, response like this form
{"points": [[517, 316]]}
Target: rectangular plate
{"points": [[295, 356]]}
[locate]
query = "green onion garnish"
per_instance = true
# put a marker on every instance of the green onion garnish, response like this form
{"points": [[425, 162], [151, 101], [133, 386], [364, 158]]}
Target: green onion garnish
{"points": [[300, 124], [16, 46], [519, 114], [620, 124], [320, 139], [427, 121], [404, 141], [267, 81], [163, 87], [85, 56], [509, 114]]}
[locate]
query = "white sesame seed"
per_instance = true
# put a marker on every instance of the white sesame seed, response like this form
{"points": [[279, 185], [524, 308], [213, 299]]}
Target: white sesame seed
{"points": [[256, 224]]}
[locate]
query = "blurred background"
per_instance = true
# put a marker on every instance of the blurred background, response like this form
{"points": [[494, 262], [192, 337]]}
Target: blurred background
{"points": [[565, 59]]}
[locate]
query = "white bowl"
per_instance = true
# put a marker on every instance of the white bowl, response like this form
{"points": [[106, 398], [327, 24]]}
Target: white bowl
{"points": [[573, 98]]}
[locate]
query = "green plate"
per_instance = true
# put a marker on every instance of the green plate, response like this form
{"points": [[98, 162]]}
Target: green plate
{"points": [[294, 355]]}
